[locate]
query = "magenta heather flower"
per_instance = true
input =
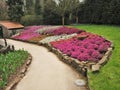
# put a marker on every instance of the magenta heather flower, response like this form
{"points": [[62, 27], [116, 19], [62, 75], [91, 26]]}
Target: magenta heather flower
{"points": [[29, 32], [63, 30], [88, 49]]}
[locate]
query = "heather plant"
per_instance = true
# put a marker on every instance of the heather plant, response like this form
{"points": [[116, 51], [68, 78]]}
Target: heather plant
{"points": [[47, 29], [88, 49], [64, 30], [28, 33]]}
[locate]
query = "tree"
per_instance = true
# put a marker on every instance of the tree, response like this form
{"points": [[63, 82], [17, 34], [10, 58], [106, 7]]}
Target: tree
{"points": [[100, 12], [15, 9], [60, 7], [3, 10], [64, 7], [29, 7], [49, 16], [75, 8], [37, 7]]}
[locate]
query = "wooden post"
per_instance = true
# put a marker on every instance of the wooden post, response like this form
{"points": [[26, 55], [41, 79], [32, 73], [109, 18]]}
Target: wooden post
{"points": [[5, 42]]}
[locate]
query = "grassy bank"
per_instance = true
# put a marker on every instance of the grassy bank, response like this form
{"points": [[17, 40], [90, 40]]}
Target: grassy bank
{"points": [[109, 76], [9, 63]]}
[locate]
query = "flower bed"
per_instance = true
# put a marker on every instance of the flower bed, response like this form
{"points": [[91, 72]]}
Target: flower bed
{"points": [[47, 29], [28, 33], [36, 33], [90, 48], [63, 30], [77, 45]]}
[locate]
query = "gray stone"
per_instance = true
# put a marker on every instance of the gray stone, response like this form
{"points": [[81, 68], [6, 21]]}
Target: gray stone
{"points": [[95, 67], [23, 70], [28, 62], [103, 60], [80, 82]]}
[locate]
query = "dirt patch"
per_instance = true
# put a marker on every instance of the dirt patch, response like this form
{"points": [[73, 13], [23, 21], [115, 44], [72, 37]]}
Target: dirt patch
{"points": [[37, 39]]}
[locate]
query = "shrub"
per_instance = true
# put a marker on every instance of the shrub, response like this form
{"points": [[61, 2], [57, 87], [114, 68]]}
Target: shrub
{"points": [[9, 63], [31, 20]]}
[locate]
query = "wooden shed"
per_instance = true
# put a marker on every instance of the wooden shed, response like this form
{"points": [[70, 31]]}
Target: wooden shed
{"points": [[8, 28]]}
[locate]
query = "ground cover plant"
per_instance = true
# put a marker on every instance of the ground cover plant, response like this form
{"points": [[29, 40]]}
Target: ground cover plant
{"points": [[109, 76], [89, 48], [9, 63], [63, 30], [31, 33]]}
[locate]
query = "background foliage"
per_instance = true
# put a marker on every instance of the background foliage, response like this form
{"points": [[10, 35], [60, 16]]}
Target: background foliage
{"points": [[100, 12], [88, 11]]}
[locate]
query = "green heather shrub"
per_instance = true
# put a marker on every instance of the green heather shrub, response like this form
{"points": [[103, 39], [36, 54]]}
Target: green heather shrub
{"points": [[9, 63]]}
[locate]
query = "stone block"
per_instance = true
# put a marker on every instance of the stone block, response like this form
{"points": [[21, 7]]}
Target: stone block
{"points": [[95, 68]]}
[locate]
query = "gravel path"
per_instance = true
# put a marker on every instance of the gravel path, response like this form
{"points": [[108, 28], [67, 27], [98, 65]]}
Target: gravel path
{"points": [[46, 71]]}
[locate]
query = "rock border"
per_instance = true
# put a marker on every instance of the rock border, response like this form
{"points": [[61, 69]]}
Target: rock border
{"points": [[21, 72]]}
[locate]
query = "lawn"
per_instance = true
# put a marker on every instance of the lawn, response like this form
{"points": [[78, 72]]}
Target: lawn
{"points": [[109, 76]]}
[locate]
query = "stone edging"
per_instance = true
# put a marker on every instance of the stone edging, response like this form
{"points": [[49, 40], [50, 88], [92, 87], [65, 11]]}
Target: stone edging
{"points": [[21, 72], [103, 61]]}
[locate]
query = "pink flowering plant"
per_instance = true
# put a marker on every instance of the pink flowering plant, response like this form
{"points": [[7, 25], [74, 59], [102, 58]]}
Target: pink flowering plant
{"points": [[91, 48], [83, 46], [63, 30], [29, 32]]}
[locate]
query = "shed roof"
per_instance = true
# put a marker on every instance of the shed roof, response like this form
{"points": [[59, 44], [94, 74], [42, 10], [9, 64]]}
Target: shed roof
{"points": [[11, 25]]}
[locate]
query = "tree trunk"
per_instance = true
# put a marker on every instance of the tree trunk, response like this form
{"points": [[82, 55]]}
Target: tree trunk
{"points": [[70, 18], [63, 20], [77, 19]]}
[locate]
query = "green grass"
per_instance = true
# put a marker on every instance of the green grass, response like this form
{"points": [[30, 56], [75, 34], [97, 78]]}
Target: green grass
{"points": [[109, 76], [9, 63]]}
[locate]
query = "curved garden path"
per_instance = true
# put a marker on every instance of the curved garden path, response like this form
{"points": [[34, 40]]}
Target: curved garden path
{"points": [[46, 71]]}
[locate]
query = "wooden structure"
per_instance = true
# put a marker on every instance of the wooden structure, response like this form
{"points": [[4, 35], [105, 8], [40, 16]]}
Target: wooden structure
{"points": [[5, 47], [8, 28]]}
